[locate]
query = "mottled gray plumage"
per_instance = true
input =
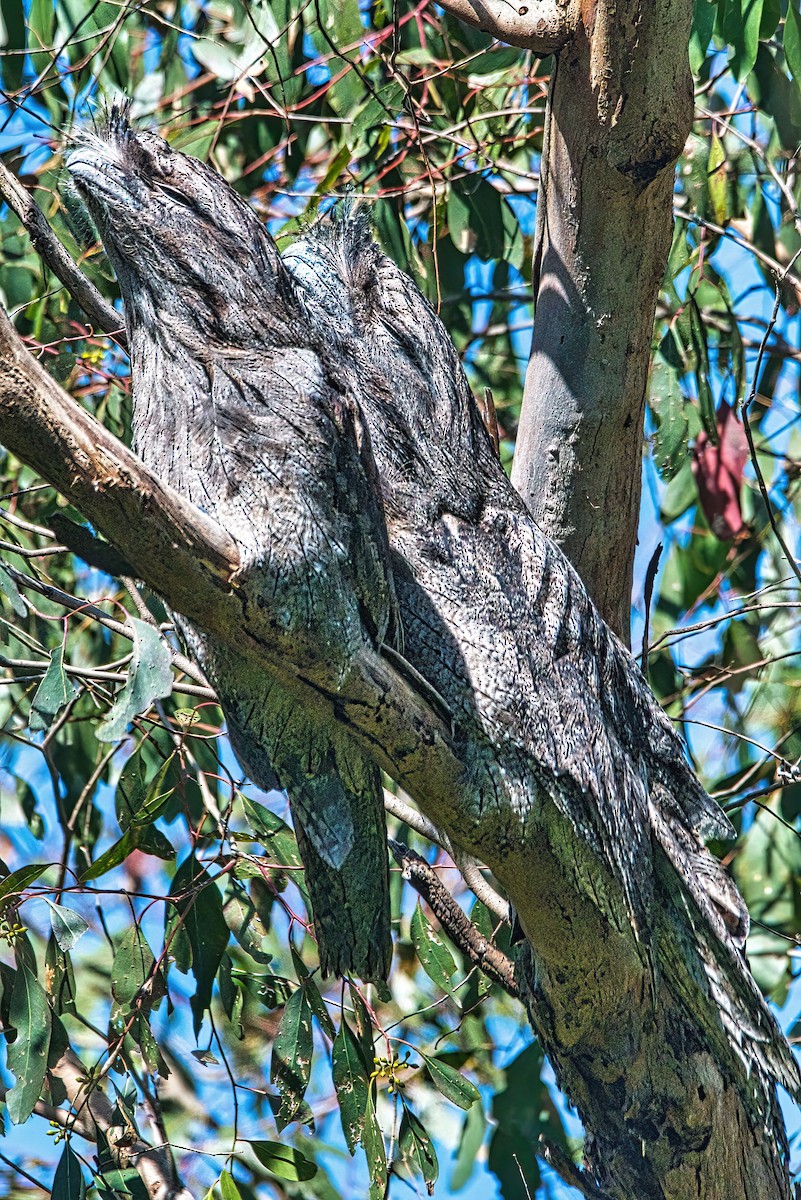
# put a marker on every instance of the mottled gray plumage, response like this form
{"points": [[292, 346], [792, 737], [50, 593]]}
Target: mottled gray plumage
{"points": [[235, 409], [547, 707], [555, 702]]}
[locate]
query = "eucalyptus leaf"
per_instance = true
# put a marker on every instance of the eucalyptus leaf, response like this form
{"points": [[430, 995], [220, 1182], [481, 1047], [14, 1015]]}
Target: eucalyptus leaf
{"points": [[149, 679], [67, 925], [30, 1017], [53, 693]]}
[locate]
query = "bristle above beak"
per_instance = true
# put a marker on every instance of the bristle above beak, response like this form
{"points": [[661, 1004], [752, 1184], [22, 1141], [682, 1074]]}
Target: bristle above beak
{"points": [[117, 124]]}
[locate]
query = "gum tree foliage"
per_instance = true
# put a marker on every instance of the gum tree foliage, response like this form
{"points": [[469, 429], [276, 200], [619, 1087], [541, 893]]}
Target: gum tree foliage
{"points": [[153, 905]]}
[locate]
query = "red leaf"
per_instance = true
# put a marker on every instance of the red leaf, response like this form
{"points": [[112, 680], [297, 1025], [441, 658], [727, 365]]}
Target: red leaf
{"points": [[718, 473]]}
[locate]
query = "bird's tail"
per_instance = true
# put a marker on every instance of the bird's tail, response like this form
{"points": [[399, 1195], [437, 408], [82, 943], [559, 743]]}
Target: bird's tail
{"points": [[338, 814]]}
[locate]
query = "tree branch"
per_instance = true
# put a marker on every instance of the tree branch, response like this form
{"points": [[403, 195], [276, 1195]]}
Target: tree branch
{"points": [[619, 112], [58, 260], [543, 26], [472, 943], [94, 1114]]}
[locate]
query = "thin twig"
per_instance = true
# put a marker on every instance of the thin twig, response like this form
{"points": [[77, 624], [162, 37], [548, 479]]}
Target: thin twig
{"points": [[747, 424], [469, 867], [650, 576]]}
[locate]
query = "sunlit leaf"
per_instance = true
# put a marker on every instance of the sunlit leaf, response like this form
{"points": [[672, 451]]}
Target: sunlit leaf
{"points": [[29, 1015], [53, 693], [284, 1161], [18, 880], [149, 679], [451, 1083], [68, 926], [435, 957]]}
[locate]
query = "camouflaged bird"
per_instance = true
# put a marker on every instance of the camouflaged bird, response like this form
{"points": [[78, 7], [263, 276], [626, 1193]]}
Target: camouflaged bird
{"points": [[235, 409], [501, 626]]}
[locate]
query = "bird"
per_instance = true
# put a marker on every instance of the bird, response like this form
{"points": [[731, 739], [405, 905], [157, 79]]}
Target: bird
{"points": [[238, 411], [547, 701]]}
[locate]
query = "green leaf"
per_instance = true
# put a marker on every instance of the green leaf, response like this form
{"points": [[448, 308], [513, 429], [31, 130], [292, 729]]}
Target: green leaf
{"points": [[133, 968], [68, 1182], [203, 926], [706, 401], [363, 1028], [17, 881], [228, 1188], [284, 1161], [351, 1082], [59, 978], [667, 401], [274, 834], [792, 40], [112, 857], [12, 28], [718, 197], [42, 26], [679, 495], [435, 957], [271, 990], [316, 1002], [741, 28], [245, 923], [10, 590], [475, 1124], [53, 693], [67, 925], [704, 12], [26, 798], [416, 1146], [149, 679], [523, 1110], [138, 802], [375, 1152], [30, 1016], [292, 1054], [475, 218], [381, 107], [451, 1083]]}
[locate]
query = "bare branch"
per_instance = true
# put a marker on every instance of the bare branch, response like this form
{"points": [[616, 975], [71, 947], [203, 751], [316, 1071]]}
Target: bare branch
{"points": [[94, 1114], [543, 26], [475, 947], [58, 260]]}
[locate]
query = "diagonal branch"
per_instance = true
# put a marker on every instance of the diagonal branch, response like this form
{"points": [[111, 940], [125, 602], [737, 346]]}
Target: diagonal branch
{"points": [[47, 245], [462, 932]]}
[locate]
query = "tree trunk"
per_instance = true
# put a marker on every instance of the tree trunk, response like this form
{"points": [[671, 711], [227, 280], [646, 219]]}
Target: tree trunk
{"points": [[619, 115]]}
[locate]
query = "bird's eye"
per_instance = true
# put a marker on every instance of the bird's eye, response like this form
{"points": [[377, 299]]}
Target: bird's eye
{"points": [[173, 193]]}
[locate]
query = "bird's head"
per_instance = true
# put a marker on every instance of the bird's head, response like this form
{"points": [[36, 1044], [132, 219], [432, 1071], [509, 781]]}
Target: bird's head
{"points": [[180, 239]]}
